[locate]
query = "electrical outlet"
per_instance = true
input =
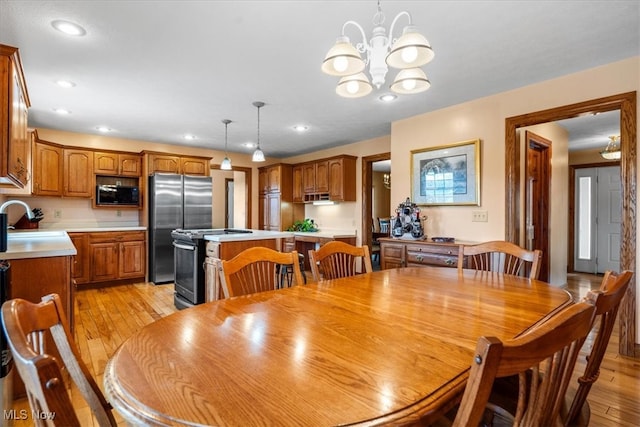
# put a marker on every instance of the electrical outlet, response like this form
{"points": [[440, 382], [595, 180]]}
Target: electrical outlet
{"points": [[57, 213], [480, 216], [118, 213]]}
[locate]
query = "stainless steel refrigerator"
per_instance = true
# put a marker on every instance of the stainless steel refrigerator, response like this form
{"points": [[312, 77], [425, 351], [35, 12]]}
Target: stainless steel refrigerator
{"points": [[175, 201]]}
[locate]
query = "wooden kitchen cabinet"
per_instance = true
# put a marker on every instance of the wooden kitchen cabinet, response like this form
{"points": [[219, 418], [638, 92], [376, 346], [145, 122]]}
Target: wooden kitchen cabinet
{"points": [[276, 209], [116, 255], [195, 166], [117, 164], [328, 179], [172, 163], [77, 173], [396, 253], [80, 264], [298, 183], [15, 149], [47, 169], [33, 278]]}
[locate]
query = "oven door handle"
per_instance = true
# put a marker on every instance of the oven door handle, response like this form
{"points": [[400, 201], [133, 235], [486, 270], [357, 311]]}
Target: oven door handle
{"points": [[186, 247]]}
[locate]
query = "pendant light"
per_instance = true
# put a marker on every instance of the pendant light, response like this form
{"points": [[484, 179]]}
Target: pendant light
{"points": [[258, 155], [226, 163]]}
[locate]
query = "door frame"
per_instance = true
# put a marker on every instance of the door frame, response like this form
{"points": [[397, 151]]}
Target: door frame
{"points": [[626, 104], [367, 204]]}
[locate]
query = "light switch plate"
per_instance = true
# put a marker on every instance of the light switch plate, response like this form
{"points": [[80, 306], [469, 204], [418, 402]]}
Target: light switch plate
{"points": [[480, 216]]}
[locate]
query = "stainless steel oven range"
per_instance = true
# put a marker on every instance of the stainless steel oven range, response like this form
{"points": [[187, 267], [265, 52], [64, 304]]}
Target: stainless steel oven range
{"points": [[189, 252]]}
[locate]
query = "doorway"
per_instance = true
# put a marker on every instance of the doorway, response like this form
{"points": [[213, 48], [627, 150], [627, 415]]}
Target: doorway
{"points": [[228, 203], [597, 219], [537, 198], [626, 104], [241, 195], [367, 202]]}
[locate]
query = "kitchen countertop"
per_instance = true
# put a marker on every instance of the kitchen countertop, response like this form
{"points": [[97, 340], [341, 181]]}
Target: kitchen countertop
{"points": [[255, 235], [38, 244], [90, 227]]}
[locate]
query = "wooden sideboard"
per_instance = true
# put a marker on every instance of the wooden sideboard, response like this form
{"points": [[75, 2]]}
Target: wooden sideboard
{"points": [[396, 253]]}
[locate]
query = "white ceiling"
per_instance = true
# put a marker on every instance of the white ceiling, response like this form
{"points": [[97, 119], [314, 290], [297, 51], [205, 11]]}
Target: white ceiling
{"points": [[156, 70]]}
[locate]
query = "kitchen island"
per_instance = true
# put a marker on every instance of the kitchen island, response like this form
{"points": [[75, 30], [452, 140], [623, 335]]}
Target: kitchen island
{"points": [[303, 241], [39, 264], [226, 246]]}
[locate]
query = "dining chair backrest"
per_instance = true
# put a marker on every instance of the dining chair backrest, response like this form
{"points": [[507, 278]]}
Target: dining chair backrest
{"points": [[337, 259], [543, 359], [607, 301], [257, 269], [500, 256], [28, 328], [384, 224]]}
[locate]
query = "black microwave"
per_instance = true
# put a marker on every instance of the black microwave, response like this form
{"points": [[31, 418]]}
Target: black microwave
{"points": [[117, 195]]}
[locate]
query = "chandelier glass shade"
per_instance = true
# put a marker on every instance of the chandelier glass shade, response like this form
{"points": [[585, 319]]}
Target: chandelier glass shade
{"points": [[386, 180], [612, 151], [407, 53], [258, 155], [226, 162]]}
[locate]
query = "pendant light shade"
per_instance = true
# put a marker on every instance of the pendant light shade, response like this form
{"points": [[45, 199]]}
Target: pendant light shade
{"points": [[258, 155], [411, 80], [354, 86], [226, 163], [410, 51]]}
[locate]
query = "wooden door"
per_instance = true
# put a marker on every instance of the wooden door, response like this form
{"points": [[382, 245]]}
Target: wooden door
{"points": [[18, 147], [309, 178], [80, 264], [105, 163], [336, 185], [322, 176], [78, 173], [131, 261], [130, 164], [298, 183], [104, 261], [537, 199], [274, 212], [273, 178], [47, 169], [194, 166]]}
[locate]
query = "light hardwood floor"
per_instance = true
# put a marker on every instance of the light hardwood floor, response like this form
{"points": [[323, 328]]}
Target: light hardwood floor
{"points": [[106, 317]]}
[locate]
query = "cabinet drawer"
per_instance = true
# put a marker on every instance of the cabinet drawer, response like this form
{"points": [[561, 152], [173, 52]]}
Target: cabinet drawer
{"points": [[426, 258], [213, 249], [392, 251], [116, 236], [451, 250]]}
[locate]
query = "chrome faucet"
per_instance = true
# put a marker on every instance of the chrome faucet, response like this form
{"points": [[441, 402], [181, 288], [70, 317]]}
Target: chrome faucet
{"points": [[4, 206]]}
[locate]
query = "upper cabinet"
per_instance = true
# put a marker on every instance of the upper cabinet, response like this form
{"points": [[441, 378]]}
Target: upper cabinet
{"points": [[15, 150], [77, 173], [172, 163], [326, 179], [117, 164], [47, 169]]}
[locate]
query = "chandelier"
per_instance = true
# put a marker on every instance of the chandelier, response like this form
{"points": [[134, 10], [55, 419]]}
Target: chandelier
{"points": [[612, 151], [408, 53], [258, 155], [226, 162]]}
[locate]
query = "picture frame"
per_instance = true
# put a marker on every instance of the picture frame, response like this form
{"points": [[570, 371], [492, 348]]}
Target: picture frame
{"points": [[446, 175]]}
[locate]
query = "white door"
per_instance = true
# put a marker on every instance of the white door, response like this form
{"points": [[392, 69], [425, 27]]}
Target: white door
{"points": [[598, 219]]}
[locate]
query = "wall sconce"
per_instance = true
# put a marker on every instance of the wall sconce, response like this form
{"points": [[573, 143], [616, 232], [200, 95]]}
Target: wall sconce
{"points": [[386, 180]]}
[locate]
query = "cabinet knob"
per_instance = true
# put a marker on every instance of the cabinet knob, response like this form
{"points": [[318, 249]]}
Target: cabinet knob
{"points": [[419, 258], [450, 261]]}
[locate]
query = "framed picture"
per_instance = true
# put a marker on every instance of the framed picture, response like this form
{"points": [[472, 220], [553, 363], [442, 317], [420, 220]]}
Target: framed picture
{"points": [[447, 175]]}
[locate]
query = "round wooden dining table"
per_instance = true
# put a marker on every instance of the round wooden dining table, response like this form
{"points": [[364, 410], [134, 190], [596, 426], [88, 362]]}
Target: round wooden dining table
{"points": [[390, 346]]}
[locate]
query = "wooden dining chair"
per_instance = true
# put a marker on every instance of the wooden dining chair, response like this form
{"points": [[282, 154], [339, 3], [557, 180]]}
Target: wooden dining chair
{"points": [[27, 327], [338, 259], [607, 301], [500, 256], [542, 360], [258, 269]]}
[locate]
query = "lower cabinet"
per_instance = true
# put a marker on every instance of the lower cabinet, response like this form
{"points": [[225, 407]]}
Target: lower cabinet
{"points": [[409, 253], [108, 256]]}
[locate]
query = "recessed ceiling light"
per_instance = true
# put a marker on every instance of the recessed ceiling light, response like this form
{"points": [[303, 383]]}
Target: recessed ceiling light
{"points": [[68, 28], [301, 128], [387, 97], [249, 144], [103, 129], [65, 83], [189, 137], [62, 111]]}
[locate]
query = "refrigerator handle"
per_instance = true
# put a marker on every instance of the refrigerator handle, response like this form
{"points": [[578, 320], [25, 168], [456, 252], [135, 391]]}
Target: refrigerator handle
{"points": [[186, 247]]}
